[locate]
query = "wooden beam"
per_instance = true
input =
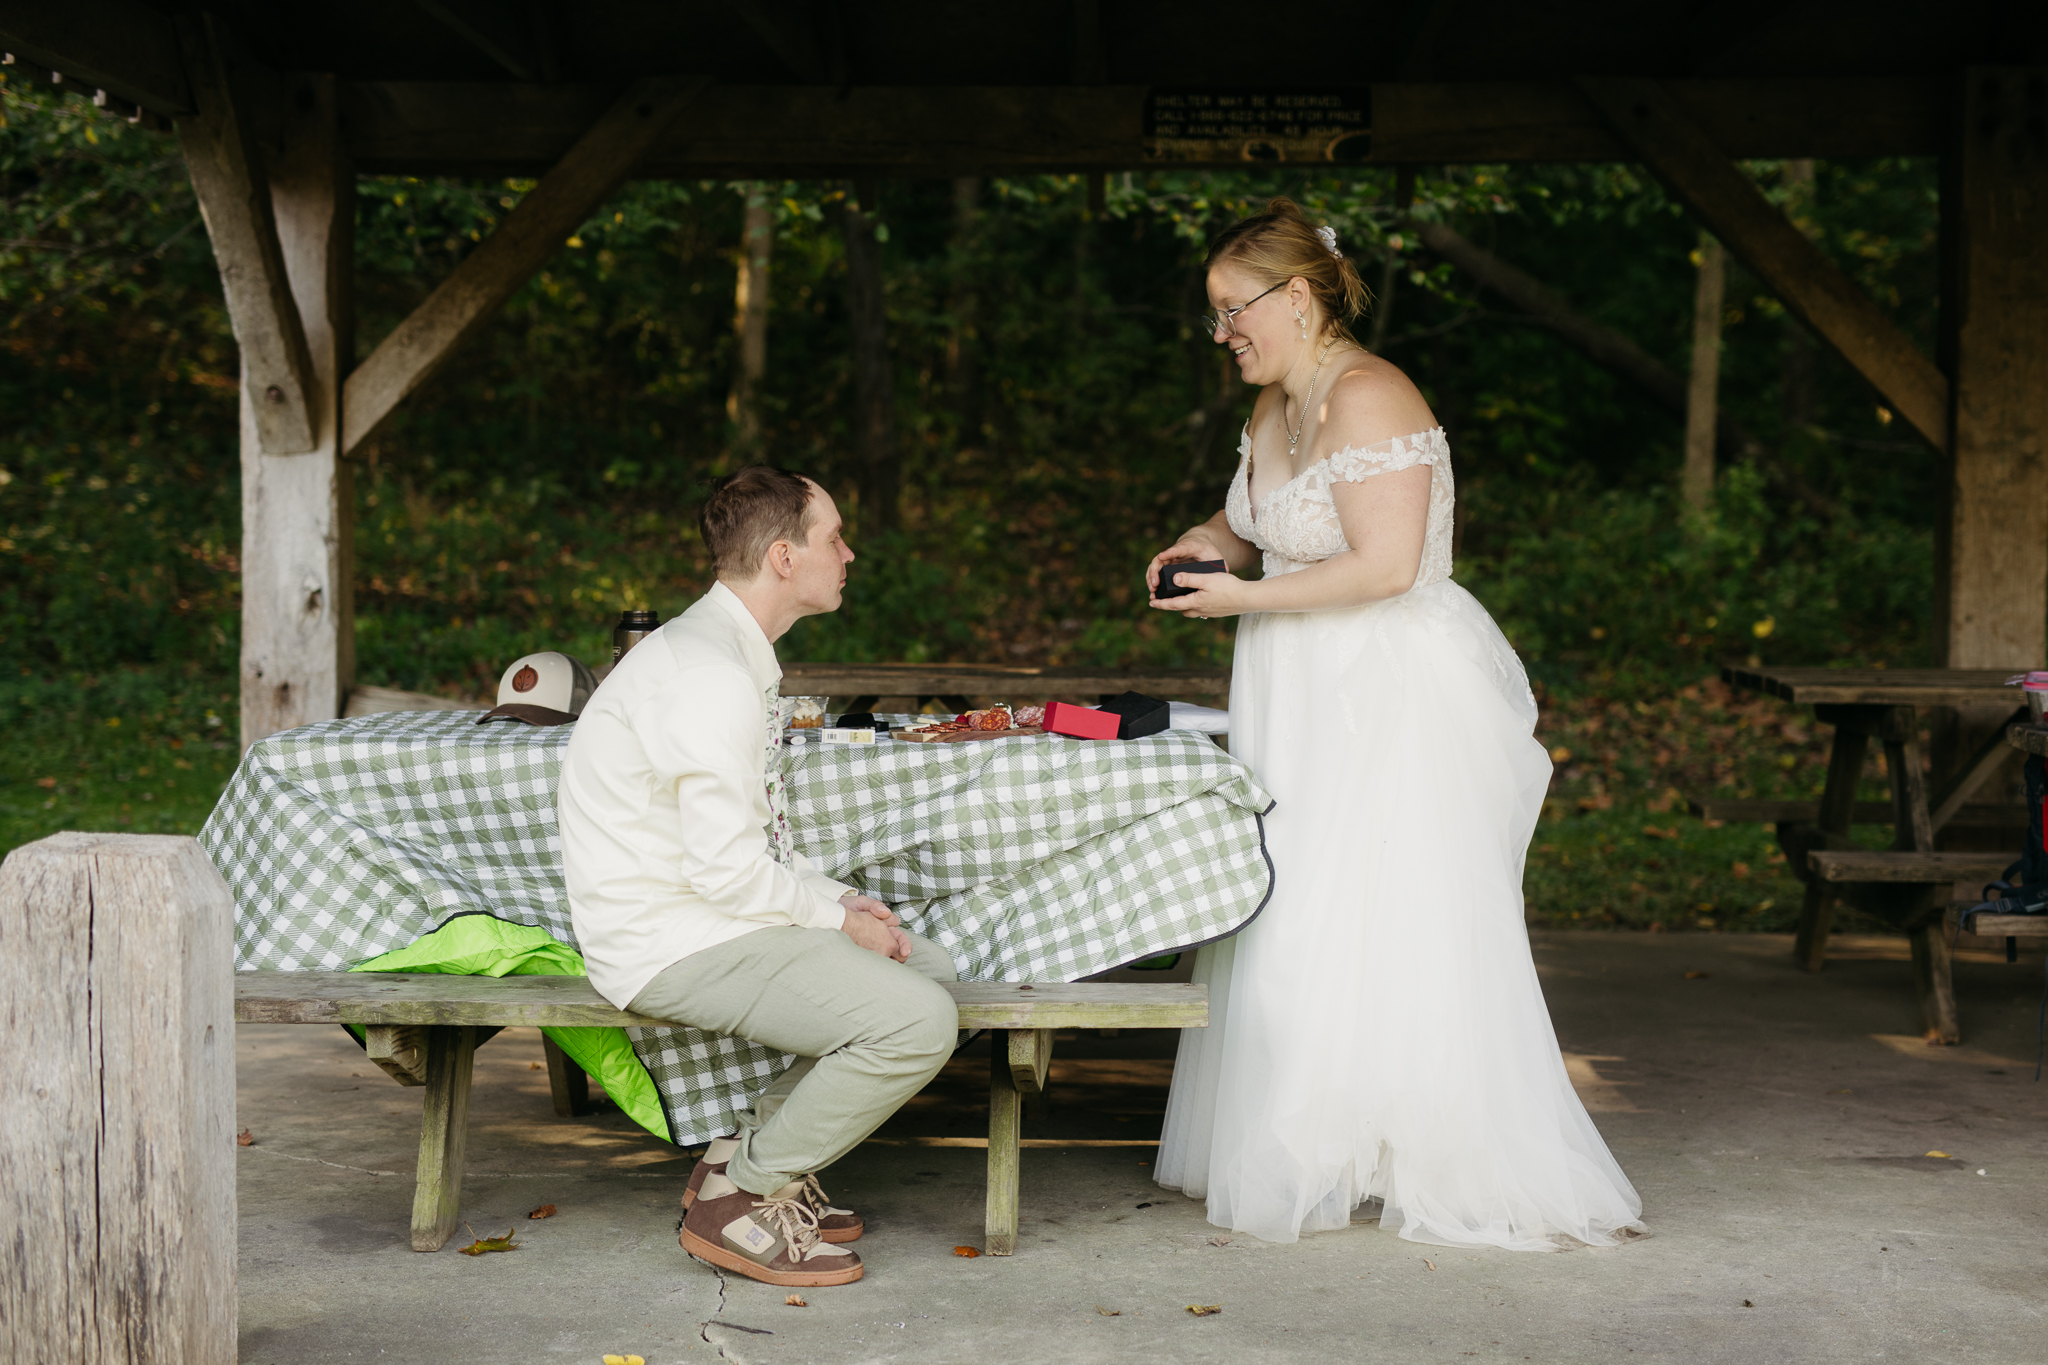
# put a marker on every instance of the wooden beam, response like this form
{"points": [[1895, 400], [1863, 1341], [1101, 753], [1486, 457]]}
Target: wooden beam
{"points": [[530, 234], [1666, 136], [1553, 121], [298, 535], [234, 197], [441, 128], [126, 48], [1993, 593]]}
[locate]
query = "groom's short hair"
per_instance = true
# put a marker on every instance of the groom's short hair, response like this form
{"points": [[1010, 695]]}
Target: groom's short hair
{"points": [[750, 510]]}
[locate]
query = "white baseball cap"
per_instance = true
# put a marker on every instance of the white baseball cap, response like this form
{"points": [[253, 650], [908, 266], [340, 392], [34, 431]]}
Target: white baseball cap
{"points": [[548, 688]]}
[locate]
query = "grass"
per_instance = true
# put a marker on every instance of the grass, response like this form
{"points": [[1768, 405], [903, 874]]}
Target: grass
{"points": [[142, 751], [148, 751]]}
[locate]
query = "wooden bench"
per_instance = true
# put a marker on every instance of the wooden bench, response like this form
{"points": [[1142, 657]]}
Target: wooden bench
{"points": [[424, 1030], [1913, 888]]}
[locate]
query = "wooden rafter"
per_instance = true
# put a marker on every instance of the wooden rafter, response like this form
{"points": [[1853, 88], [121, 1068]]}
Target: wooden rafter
{"points": [[579, 182], [504, 128], [128, 49], [1728, 202], [234, 197]]}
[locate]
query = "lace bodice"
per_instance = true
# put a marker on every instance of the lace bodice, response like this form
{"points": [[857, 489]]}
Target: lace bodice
{"points": [[1297, 522]]}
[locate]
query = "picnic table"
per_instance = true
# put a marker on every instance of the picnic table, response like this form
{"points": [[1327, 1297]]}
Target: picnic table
{"points": [[1909, 883], [1030, 859], [957, 685]]}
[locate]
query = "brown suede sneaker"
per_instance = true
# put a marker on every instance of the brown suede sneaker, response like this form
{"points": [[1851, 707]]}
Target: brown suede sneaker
{"points": [[774, 1240], [712, 1162], [834, 1224]]}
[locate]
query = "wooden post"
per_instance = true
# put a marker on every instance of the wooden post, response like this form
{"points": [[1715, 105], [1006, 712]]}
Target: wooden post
{"points": [[117, 1105], [1992, 603], [750, 314], [298, 511], [1703, 392], [1005, 1133]]}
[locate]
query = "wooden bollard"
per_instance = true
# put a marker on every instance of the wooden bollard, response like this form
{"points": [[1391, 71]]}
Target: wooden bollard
{"points": [[117, 1103]]}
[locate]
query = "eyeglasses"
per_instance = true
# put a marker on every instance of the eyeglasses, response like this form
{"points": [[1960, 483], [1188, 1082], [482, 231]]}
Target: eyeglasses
{"points": [[1217, 322]]}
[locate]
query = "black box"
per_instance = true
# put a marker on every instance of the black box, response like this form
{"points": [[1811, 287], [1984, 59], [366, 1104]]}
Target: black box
{"points": [[1140, 715], [1167, 587]]}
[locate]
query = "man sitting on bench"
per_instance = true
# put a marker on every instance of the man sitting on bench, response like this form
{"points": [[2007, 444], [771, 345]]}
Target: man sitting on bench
{"points": [[692, 904]]}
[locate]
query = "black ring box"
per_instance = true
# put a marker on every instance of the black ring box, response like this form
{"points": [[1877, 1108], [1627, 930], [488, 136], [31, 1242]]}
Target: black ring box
{"points": [[1167, 587], [1139, 715]]}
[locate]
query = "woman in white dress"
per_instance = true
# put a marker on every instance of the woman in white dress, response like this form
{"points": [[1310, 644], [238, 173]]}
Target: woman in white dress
{"points": [[1378, 1032]]}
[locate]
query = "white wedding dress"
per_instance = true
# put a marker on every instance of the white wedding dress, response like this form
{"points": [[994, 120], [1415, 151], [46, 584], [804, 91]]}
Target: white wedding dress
{"points": [[1378, 1032]]}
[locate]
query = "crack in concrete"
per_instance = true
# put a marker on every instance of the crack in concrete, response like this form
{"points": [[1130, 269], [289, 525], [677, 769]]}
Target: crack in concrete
{"points": [[704, 1328]]}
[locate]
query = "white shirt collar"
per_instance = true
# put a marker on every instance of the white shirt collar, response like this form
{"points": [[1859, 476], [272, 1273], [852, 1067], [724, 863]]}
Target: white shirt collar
{"points": [[761, 661]]}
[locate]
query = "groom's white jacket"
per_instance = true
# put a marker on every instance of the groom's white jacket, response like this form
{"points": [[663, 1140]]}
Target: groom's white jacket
{"points": [[663, 804]]}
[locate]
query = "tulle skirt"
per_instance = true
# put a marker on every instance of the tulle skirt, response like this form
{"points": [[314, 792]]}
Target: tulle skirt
{"points": [[1378, 1032]]}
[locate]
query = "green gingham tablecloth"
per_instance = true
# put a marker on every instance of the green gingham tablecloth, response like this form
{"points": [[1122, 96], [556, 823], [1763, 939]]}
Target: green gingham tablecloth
{"points": [[1036, 858]]}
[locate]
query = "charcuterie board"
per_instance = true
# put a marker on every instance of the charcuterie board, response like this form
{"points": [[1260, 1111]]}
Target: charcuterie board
{"points": [[959, 736]]}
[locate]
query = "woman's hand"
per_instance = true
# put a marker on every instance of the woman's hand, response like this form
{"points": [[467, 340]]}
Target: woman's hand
{"points": [[1216, 594], [1195, 545]]}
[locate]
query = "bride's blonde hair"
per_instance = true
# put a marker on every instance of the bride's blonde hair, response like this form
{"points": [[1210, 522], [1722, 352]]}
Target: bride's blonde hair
{"points": [[1280, 243]]}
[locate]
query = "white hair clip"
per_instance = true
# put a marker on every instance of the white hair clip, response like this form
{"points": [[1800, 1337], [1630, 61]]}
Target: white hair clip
{"points": [[1329, 236]]}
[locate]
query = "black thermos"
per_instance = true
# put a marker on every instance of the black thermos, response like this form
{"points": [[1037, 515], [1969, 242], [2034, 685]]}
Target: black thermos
{"points": [[633, 627]]}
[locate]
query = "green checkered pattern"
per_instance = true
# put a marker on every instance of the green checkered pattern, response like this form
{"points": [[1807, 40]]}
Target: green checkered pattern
{"points": [[1036, 858]]}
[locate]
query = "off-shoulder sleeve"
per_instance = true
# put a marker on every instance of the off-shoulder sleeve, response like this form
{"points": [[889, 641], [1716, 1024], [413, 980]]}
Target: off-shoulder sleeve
{"points": [[1354, 463]]}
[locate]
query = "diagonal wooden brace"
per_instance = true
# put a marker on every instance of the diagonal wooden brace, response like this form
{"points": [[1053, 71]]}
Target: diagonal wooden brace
{"points": [[1664, 133], [234, 198], [530, 234]]}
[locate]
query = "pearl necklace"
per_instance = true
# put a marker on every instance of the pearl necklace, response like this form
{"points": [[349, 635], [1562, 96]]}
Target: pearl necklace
{"points": [[1294, 436]]}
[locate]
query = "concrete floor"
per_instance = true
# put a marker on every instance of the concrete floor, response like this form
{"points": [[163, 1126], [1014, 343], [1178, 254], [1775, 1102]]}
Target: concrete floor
{"points": [[1776, 1125]]}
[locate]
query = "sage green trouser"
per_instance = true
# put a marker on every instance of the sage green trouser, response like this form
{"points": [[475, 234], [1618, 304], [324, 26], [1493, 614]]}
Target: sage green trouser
{"points": [[868, 1032]]}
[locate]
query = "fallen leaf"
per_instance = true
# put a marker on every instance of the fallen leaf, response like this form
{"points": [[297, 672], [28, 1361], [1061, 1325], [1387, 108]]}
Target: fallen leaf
{"points": [[1219, 1241], [624, 1360], [544, 1211], [1943, 1155], [1669, 832], [796, 1301], [1203, 1310], [967, 1251], [1697, 976], [245, 1138], [483, 1244], [533, 1066], [1109, 1312], [1747, 1304], [48, 784], [1431, 1264]]}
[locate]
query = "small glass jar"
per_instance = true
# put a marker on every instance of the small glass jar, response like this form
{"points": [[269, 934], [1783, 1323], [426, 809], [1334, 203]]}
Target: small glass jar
{"points": [[633, 627], [807, 713]]}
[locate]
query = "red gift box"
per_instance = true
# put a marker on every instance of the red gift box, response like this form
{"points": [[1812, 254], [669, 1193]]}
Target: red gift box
{"points": [[1082, 722]]}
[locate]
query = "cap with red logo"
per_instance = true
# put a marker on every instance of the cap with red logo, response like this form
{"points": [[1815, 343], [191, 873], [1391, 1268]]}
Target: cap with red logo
{"points": [[542, 689]]}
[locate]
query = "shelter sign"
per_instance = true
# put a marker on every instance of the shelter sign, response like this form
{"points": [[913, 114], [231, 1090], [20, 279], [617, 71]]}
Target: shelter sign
{"points": [[1258, 125]]}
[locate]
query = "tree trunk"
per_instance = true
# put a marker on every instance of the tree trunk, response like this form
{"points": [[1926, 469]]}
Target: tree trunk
{"points": [[1390, 267], [1701, 405], [963, 356], [1796, 373], [750, 317], [874, 378]]}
